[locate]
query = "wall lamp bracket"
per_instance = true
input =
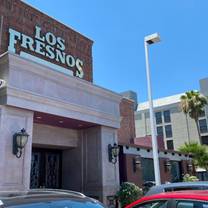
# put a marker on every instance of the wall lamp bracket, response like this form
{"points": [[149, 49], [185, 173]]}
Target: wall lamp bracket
{"points": [[19, 141], [113, 152], [137, 163]]}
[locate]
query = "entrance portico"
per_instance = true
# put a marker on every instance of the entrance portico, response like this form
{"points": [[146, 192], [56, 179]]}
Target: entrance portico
{"points": [[58, 112]]}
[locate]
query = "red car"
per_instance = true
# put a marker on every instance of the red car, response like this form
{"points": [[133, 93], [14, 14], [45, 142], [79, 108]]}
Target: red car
{"points": [[178, 199]]}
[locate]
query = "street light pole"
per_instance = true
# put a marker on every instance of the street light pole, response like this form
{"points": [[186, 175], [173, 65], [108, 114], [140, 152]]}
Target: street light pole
{"points": [[147, 41]]}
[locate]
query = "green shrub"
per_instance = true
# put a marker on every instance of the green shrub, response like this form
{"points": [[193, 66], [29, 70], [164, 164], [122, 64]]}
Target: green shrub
{"points": [[128, 193], [188, 178]]}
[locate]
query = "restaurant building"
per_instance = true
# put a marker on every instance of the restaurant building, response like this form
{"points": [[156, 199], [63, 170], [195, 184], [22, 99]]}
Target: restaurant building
{"points": [[47, 89], [73, 127]]}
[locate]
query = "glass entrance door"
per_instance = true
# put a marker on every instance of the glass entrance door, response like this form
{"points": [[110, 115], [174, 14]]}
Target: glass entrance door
{"points": [[45, 169]]}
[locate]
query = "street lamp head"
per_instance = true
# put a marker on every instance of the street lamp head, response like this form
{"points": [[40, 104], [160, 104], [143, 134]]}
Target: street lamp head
{"points": [[153, 38]]}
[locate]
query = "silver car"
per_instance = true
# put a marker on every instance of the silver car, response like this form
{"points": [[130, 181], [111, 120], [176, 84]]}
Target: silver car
{"points": [[198, 185]]}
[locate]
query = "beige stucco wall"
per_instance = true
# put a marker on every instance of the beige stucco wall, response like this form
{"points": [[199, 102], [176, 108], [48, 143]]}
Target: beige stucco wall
{"points": [[39, 88], [15, 172], [51, 136]]}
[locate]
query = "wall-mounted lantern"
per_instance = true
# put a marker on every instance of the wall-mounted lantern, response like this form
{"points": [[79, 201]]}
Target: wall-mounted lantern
{"points": [[167, 165], [2, 83], [190, 166], [19, 142], [137, 163], [113, 152]]}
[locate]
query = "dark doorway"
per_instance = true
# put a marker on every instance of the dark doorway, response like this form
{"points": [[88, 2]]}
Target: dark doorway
{"points": [[45, 168]]}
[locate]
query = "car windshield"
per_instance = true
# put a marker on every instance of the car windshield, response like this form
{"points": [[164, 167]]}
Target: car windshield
{"points": [[156, 204]]}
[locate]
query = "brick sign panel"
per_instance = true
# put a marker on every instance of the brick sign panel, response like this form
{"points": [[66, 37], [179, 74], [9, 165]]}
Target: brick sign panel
{"points": [[43, 37]]}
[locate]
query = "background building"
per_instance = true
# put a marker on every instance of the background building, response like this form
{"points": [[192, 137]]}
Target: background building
{"points": [[136, 158], [171, 123]]}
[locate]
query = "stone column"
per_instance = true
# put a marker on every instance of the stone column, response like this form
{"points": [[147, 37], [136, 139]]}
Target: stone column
{"points": [[110, 172], [14, 172], [100, 177]]}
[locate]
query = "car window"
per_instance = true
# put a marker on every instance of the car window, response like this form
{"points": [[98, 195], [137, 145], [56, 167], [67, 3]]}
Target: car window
{"points": [[191, 204], [153, 204], [184, 204], [179, 189]]}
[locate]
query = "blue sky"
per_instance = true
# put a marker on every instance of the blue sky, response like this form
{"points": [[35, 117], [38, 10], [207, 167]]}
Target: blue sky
{"points": [[118, 27]]}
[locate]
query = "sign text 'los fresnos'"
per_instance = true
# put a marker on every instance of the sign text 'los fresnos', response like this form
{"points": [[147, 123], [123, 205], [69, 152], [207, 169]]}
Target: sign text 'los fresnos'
{"points": [[47, 45]]}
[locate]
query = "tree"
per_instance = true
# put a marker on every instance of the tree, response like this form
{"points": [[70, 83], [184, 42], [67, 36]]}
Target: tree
{"points": [[192, 104], [128, 193], [185, 109], [199, 153]]}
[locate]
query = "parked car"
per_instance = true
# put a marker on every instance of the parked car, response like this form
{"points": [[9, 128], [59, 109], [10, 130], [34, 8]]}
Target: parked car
{"points": [[47, 199], [197, 185], [176, 199]]}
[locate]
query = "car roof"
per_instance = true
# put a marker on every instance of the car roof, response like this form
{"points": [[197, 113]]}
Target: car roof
{"points": [[201, 195], [44, 192], [161, 188], [34, 195]]}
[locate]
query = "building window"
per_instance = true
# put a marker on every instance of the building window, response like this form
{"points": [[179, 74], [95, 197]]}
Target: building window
{"points": [[204, 140], [160, 131], [158, 117], [146, 115], [138, 116], [168, 131], [202, 114], [203, 125], [147, 169], [170, 145], [167, 116]]}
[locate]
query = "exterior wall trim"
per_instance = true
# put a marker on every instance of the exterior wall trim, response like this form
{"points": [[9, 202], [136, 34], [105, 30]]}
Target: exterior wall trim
{"points": [[58, 77], [13, 94], [97, 105], [147, 153]]}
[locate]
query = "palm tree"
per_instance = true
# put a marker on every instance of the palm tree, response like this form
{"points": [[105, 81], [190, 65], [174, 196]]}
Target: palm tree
{"points": [[184, 107], [199, 153], [192, 104]]}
